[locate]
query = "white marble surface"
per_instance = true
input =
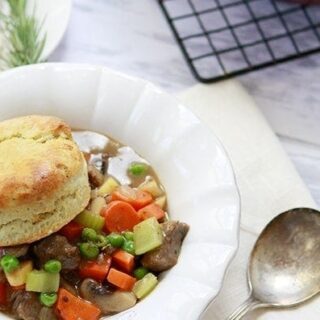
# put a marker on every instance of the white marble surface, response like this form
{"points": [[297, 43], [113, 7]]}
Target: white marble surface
{"points": [[132, 36]]}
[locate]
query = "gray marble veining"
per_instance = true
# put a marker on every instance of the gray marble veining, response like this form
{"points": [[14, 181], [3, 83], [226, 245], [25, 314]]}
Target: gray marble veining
{"points": [[130, 36]]}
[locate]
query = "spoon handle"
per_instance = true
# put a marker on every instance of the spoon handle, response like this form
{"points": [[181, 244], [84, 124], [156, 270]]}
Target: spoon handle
{"points": [[244, 308]]}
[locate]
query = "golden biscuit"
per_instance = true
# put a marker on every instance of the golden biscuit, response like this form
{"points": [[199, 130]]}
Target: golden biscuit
{"points": [[43, 178]]}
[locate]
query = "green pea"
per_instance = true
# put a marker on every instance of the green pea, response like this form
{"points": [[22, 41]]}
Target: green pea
{"points": [[9, 263], [140, 272], [48, 299], [115, 239], [128, 235], [52, 266], [129, 247], [137, 169], [89, 234], [89, 251], [101, 241]]}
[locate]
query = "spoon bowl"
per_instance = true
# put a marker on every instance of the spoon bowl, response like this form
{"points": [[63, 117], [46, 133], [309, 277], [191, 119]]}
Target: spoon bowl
{"points": [[284, 263]]}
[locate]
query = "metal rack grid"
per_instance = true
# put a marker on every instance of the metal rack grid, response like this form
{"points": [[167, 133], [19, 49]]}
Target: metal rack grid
{"points": [[224, 38]]}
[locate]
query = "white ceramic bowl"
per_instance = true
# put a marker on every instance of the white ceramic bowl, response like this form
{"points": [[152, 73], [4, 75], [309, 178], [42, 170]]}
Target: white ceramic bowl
{"points": [[188, 158]]}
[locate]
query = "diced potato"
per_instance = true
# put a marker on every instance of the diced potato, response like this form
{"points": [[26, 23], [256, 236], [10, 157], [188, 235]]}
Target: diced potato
{"points": [[151, 186], [19, 276], [42, 281], [161, 201], [108, 186], [90, 220], [144, 286], [147, 235], [96, 205]]}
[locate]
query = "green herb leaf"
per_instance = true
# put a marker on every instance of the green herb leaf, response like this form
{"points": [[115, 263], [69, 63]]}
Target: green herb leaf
{"points": [[22, 32]]}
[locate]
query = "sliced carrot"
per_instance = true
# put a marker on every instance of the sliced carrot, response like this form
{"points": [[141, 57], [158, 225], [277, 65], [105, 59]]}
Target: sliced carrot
{"points": [[123, 260], [151, 210], [137, 198], [121, 280], [96, 270], [72, 230], [70, 307], [120, 216]]}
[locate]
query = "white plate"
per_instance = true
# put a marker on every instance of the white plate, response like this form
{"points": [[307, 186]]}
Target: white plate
{"points": [[55, 15], [188, 158]]}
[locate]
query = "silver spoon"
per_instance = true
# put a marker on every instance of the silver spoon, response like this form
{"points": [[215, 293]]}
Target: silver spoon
{"points": [[284, 267]]}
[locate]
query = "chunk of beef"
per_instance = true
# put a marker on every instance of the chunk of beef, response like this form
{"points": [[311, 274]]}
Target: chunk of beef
{"points": [[66, 285], [72, 277], [25, 305], [96, 178], [70, 280], [17, 251], [166, 256], [57, 247], [47, 314]]}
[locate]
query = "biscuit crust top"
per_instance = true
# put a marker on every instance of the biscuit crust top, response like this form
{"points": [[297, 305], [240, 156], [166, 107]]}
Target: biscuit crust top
{"points": [[37, 157]]}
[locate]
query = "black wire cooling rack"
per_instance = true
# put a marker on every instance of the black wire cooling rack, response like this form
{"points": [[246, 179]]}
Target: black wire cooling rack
{"points": [[224, 38]]}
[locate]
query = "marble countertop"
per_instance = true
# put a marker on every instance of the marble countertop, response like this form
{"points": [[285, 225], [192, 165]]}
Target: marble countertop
{"points": [[132, 36]]}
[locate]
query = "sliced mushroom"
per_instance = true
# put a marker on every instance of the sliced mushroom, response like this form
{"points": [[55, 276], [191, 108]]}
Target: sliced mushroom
{"points": [[107, 300]]}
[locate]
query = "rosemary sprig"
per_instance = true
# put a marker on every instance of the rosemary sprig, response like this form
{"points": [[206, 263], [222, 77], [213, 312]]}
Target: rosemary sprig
{"points": [[22, 33]]}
